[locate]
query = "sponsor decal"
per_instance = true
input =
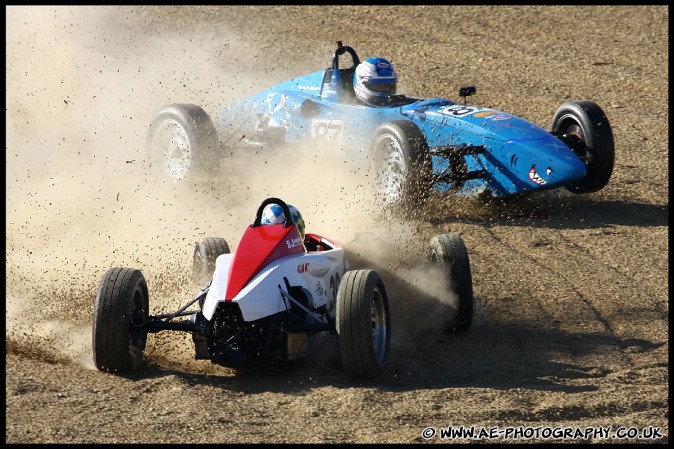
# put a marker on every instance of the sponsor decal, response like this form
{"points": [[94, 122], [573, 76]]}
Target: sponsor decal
{"points": [[499, 117], [535, 177], [484, 114], [320, 291], [303, 268], [293, 242], [382, 65]]}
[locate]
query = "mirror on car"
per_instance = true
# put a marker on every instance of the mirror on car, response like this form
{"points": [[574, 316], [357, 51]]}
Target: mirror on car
{"points": [[467, 91]]}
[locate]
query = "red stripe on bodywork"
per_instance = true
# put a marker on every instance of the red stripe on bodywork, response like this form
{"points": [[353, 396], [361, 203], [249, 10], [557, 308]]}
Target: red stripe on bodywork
{"points": [[260, 246]]}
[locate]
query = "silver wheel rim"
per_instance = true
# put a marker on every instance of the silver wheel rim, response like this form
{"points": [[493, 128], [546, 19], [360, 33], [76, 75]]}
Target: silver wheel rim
{"points": [[392, 170], [379, 326], [171, 149]]}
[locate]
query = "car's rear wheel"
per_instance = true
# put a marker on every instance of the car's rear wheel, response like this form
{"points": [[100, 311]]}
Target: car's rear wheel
{"points": [[363, 324], [583, 126], [450, 252], [182, 142], [122, 304], [401, 164]]}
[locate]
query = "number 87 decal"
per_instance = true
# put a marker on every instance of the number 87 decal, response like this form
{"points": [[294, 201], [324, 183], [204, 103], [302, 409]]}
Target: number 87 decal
{"points": [[326, 129]]}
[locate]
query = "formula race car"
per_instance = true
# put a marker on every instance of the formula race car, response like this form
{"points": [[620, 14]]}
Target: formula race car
{"points": [[262, 302], [413, 145]]}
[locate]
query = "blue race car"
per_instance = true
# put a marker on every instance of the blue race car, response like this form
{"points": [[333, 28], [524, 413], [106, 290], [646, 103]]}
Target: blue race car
{"points": [[413, 145]]}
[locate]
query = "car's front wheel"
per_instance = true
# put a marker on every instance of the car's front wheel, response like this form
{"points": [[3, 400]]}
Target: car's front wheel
{"points": [[121, 307], [182, 142], [363, 324], [583, 126]]}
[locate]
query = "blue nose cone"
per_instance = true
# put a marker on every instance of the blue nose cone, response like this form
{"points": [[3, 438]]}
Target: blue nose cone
{"points": [[547, 163]]}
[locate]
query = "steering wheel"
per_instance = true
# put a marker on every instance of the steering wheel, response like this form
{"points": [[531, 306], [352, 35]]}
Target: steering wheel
{"points": [[341, 49], [286, 212]]}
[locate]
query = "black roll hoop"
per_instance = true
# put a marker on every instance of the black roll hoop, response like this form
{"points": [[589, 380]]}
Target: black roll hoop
{"points": [[341, 49], [286, 211]]}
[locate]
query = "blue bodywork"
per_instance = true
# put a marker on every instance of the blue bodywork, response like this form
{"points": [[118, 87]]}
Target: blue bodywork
{"points": [[501, 154]]}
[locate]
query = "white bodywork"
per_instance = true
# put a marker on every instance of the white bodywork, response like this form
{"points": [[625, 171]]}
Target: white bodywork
{"points": [[318, 272]]}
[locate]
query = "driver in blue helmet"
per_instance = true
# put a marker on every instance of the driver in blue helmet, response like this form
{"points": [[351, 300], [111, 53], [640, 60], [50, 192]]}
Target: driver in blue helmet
{"points": [[375, 82]]}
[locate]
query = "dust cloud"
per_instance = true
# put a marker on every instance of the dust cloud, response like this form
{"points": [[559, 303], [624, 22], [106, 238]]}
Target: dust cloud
{"points": [[82, 85]]}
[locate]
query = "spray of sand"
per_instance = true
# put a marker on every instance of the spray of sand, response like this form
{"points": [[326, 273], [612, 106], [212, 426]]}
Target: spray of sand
{"points": [[82, 85]]}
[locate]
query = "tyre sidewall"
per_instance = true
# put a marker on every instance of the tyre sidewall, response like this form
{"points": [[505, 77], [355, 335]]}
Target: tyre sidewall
{"points": [[354, 324], [598, 138], [453, 256], [205, 254], [201, 136], [114, 310], [417, 179]]}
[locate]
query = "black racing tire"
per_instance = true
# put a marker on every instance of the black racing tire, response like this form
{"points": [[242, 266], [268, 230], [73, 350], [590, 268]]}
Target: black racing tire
{"points": [[402, 165], [122, 303], [585, 121], [206, 252], [450, 251], [182, 142], [363, 324]]}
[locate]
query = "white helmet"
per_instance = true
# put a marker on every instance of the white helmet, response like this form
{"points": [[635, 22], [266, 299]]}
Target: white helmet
{"points": [[374, 81]]}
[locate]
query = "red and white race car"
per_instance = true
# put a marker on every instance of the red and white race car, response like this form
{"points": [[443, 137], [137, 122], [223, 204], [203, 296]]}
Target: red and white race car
{"points": [[263, 301]]}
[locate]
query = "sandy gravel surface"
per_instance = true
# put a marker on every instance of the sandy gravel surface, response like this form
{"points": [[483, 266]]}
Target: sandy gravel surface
{"points": [[572, 330]]}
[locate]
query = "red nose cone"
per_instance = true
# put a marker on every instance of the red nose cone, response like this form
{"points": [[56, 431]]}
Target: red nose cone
{"points": [[260, 246]]}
